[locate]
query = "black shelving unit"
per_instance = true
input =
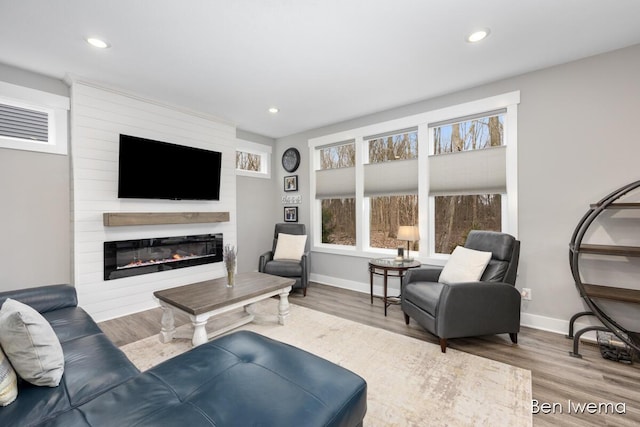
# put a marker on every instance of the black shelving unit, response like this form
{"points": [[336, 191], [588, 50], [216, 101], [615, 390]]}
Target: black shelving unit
{"points": [[592, 292]]}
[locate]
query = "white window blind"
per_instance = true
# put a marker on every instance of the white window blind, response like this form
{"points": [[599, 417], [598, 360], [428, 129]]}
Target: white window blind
{"points": [[23, 123], [391, 178], [336, 183], [468, 172]]}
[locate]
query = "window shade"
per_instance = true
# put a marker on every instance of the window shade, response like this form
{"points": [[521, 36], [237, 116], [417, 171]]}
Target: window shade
{"points": [[336, 183], [23, 123], [388, 178], [468, 172]]}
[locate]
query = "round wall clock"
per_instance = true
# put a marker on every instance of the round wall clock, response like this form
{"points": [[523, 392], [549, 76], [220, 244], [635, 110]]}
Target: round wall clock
{"points": [[291, 159]]}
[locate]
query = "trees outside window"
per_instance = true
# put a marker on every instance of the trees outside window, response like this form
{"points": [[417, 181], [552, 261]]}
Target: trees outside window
{"points": [[248, 161], [455, 216], [339, 221]]}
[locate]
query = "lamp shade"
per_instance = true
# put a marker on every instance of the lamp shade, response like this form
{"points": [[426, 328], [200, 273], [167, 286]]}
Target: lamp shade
{"points": [[409, 233]]}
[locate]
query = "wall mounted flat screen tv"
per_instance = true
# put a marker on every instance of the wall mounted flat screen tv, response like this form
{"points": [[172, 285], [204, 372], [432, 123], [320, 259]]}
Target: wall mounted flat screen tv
{"points": [[149, 169]]}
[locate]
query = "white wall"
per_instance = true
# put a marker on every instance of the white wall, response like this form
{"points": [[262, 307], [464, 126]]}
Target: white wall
{"points": [[98, 116], [576, 143]]}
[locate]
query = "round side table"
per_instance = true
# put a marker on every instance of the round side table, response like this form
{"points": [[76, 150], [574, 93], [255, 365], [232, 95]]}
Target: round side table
{"points": [[383, 267]]}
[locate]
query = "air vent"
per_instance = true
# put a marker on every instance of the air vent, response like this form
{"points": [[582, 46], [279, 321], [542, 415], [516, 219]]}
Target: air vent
{"points": [[23, 123]]}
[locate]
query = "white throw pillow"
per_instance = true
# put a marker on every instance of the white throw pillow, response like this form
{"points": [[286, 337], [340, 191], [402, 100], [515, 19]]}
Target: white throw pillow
{"points": [[8, 381], [464, 265], [30, 343], [290, 246]]}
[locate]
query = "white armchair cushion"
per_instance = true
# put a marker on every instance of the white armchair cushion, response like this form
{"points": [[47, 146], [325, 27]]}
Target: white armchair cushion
{"points": [[464, 265], [290, 246]]}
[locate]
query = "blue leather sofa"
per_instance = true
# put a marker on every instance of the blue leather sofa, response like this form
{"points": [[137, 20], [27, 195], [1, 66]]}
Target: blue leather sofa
{"points": [[241, 379]]}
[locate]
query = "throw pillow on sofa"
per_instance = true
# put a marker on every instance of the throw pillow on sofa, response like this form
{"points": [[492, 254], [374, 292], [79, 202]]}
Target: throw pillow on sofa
{"points": [[464, 265], [8, 381], [30, 343]]}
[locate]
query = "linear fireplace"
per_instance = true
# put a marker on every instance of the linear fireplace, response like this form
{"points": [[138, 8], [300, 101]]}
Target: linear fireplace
{"points": [[143, 256]]}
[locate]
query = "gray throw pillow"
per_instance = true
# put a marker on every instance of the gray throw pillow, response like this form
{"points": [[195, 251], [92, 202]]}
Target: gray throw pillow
{"points": [[30, 343]]}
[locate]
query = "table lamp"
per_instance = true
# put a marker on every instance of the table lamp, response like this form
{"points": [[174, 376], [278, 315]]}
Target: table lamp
{"points": [[409, 233]]}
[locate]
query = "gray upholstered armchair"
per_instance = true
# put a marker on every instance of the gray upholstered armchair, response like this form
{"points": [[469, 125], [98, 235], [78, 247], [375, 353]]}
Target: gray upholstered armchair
{"points": [[490, 306], [293, 268]]}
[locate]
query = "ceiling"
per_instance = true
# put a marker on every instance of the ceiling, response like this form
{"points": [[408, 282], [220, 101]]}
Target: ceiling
{"points": [[319, 61]]}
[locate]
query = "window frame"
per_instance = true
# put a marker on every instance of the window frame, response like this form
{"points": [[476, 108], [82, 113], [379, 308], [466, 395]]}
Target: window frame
{"points": [[55, 106], [426, 209], [262, 150]]}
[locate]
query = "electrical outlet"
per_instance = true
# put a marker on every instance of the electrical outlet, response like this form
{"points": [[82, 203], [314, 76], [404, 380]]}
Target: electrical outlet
{"points": [[526, 294]]}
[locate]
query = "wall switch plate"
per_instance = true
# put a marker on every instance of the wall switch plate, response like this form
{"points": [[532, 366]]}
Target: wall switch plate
{"points": [[526, 294]]}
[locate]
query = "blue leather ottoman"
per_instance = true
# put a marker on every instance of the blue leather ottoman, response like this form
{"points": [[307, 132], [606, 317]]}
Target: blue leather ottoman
{"points": [[242, 379]]}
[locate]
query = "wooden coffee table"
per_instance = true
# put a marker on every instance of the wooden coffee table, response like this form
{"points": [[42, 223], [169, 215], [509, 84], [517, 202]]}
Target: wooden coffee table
{"points": [[203, 300]]}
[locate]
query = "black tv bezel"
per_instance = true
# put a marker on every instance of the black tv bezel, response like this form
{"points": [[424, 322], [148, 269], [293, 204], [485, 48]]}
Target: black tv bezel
{"points": [[216, 156]]}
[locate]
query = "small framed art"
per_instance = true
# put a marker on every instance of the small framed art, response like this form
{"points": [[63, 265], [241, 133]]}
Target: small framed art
{"points": [[291, 183], [291, 214]]}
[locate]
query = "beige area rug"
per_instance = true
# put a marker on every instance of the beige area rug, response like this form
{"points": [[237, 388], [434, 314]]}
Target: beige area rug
{"points": [[410, 382]]}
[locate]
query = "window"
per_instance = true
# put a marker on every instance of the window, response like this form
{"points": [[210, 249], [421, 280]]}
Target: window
{"points": [[253, 159], [447, 171], [389, 211], [33, 120], [336, 190], [457, 213]]}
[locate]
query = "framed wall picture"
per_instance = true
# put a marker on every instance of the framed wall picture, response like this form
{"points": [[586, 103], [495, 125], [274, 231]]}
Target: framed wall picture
{"points": [[291, 214], [291, 183]]}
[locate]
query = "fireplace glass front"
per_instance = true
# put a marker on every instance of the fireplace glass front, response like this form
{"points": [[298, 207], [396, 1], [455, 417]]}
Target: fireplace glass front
{"points": [[143, 256]]}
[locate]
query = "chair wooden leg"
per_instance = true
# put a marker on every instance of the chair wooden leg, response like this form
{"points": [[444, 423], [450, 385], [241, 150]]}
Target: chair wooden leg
{"points": [[443, 345], [514, 338], [406, 318], [304, 292]]}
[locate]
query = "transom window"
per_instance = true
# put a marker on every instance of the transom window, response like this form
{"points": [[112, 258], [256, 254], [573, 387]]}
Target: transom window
{"points": [[33, 120], [253, 159]]}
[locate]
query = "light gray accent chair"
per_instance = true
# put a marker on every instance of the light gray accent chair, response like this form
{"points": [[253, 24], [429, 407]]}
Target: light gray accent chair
{"points": [[487, 307], [294, 269]]}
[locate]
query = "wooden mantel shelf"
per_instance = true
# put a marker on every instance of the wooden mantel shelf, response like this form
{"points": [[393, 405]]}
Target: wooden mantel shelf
{"points": [[117, 219]]}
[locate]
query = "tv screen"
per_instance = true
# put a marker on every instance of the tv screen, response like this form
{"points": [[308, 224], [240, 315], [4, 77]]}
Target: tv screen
{"points": [[151, 169]]}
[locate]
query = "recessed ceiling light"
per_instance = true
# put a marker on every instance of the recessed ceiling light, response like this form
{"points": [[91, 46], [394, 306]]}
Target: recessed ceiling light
{"points": [[99, 43], [476, 36], [274, 110]]}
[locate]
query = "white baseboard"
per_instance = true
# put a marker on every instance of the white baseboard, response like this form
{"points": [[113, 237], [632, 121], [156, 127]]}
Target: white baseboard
{"points": [[393, 289], [543, 323], [558, 326]]}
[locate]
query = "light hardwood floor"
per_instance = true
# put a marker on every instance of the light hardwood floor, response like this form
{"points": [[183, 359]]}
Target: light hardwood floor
{"points": [[557, 377]]}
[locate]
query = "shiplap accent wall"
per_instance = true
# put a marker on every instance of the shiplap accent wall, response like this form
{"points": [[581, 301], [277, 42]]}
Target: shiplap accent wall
{"points": [[98, 116]]}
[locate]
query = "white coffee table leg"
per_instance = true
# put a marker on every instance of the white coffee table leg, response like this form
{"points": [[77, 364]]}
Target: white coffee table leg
{"points": [[283, 306], [199, 329], [168, 330]]}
